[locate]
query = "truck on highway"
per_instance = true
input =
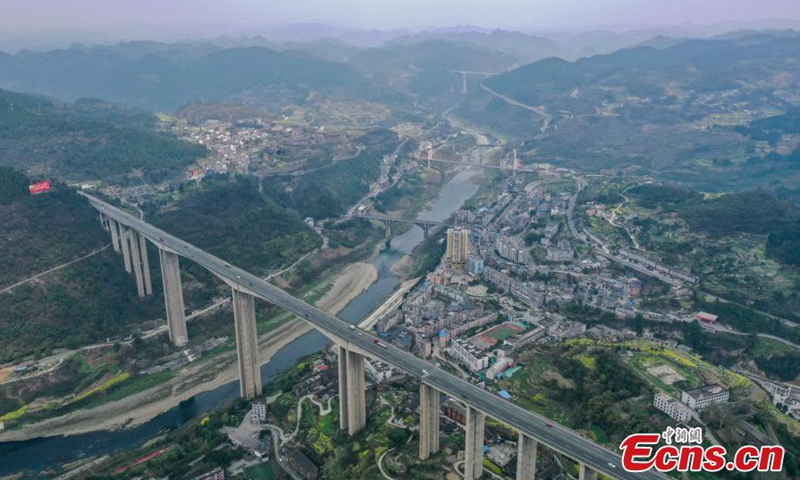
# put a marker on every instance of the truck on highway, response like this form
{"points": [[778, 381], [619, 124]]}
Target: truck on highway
{"points": [[381, 344]]}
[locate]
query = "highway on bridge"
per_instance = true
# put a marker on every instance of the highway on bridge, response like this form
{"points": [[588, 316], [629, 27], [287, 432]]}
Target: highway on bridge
{"points": [[558, 438]]}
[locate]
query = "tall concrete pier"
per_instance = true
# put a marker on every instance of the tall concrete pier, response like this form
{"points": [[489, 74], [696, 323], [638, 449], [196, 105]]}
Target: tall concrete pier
{"points": [[124, 238], [428, 421], [343, 393], [526, 457], [244, 316], [473, 457], [352, 401], [173, 297], [148, 282], [114, 227], [136, 261], [587, 473], [356, 404]]}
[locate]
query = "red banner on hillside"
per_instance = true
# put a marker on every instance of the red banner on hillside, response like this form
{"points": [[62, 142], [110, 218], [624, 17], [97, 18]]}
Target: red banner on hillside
{"points": [[39, 187]]}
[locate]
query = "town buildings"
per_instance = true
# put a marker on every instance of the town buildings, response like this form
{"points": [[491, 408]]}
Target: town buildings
{"points": [[378, 371], [702, 397], [258, 413], [558, 327], [524, 292], [468, 355], [562, 252], [511, 248], [216, 474], [641, 258], [501, 365], [672, 407], [475, 265], [301, 464]]}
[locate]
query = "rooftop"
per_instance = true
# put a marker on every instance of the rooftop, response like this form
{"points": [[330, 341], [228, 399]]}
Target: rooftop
{"points": [[705, 391]]}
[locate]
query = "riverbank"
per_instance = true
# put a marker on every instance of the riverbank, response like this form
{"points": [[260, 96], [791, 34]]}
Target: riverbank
{"points": [[388, 306], [197, 377]]}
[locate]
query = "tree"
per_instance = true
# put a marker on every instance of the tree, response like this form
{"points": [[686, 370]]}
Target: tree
{"points": [[397, 437], [693, 335], [305, 269]]}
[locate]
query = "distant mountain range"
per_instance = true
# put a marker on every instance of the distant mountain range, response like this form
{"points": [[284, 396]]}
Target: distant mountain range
{"points": [[314, 58], [666, 104], [670, 109], [163, 77], [158, 77]]}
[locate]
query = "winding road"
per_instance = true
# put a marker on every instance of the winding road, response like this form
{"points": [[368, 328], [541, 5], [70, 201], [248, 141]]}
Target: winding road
{"points": [[542, 111], [63, 265]]}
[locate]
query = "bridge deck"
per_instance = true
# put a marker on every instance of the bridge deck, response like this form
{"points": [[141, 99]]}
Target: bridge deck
{"points": [[557, 437], [385, 218]]}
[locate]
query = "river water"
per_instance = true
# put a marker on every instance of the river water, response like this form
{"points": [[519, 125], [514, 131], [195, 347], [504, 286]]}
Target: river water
{"points": [[34, 456]]}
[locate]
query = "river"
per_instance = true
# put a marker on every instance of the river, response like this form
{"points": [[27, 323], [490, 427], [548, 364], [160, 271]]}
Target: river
{"points": [[35, 456]]}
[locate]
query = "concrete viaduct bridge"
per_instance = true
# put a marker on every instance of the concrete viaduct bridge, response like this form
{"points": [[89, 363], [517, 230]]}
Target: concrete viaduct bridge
{"points": [[130, 236], [425, 225]]}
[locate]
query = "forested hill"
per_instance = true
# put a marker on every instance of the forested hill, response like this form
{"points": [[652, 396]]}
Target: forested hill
{"points": [[751, 212], [231, 219], [329, 192], [42, 231], [77, 305], [89, 139]]}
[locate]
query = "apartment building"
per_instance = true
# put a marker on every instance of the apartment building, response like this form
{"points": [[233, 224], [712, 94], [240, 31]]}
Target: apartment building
{"points": [[702, 397], [466, 354], [672, 407]]}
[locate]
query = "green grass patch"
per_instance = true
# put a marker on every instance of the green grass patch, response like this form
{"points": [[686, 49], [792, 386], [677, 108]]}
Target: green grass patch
{"points": [[263, 471], [327, 424], [110, 383], [225, 347], [766, 348], [136, 385], [15, 414], [317, 291], [489, 465], [641, 362], [588, 361]]}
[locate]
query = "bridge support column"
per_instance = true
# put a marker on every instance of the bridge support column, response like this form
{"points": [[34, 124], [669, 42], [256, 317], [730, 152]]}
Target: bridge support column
{"points": [[587, 473], [136, 261], [343, 393], [114, 227], [352, 402], [526, 457], [428, 421], [425, 231], [473, 458], [173, 297], [244, 313], [124, 237], [356, 404], [148, 282]]}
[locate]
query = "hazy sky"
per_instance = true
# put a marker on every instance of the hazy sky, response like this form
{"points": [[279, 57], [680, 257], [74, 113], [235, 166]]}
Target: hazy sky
{"points": [[115, 16]]}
